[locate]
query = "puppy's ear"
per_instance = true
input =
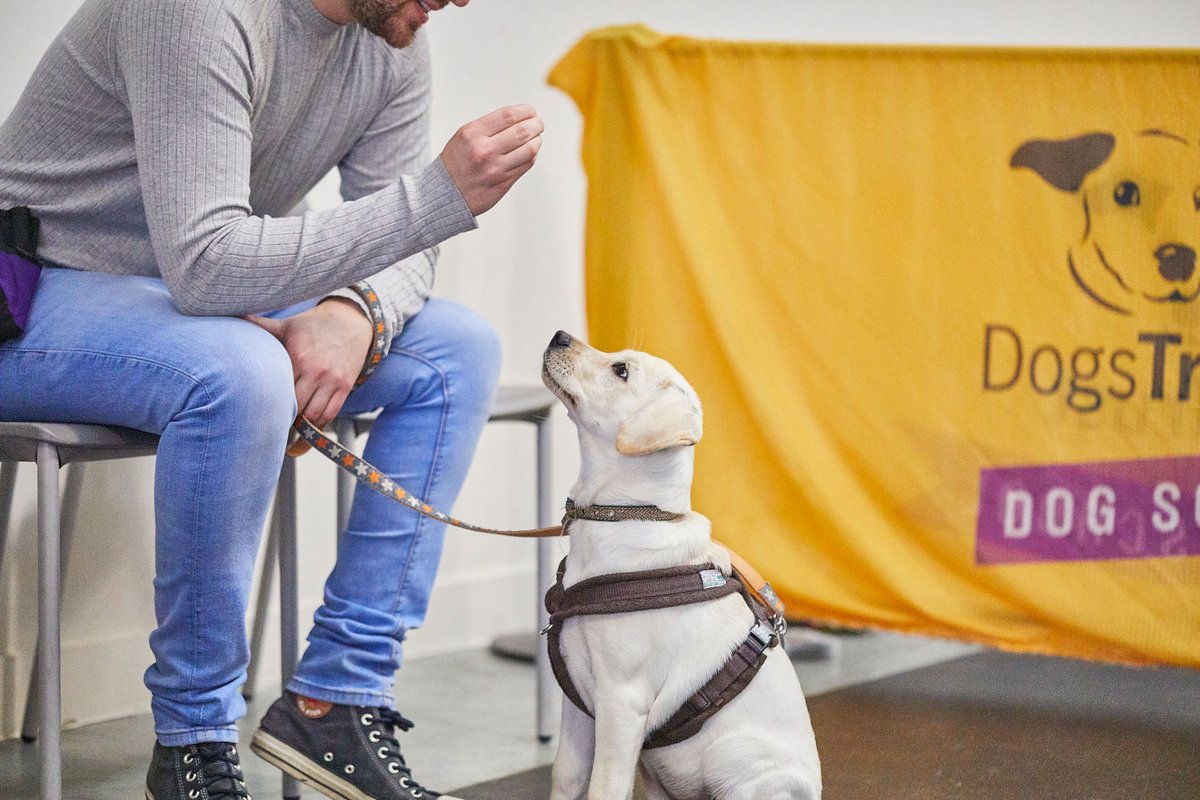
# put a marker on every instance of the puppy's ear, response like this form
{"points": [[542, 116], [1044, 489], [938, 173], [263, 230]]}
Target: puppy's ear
{"points": [[671, 419], [1064, 163]]}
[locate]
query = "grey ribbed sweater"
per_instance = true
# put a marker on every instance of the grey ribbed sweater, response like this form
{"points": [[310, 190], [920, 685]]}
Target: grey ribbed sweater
{"points": [[171, 137]]}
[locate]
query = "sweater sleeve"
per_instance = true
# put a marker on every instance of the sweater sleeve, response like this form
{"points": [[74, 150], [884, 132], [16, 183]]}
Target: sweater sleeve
{"points": [[188, 70], [397, 142]]}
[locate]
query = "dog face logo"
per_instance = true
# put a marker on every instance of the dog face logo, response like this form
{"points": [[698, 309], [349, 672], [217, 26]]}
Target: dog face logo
{"points": [[1140, 199]]}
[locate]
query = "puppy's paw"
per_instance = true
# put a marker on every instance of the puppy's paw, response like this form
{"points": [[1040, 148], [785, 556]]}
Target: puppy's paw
{"points": [[719, 556]]}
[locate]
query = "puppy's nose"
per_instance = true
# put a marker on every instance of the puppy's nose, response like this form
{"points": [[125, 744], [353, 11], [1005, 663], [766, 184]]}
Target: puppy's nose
{"points": [[1176, 262], [561, 339]]}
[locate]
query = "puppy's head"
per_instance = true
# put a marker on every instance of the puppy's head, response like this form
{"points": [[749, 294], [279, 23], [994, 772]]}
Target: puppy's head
{"points": [[637, 403], [1140, 197]]}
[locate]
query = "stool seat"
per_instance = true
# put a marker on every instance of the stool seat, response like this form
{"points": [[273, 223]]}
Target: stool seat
{"points": [[522, 404], [74, 441]]}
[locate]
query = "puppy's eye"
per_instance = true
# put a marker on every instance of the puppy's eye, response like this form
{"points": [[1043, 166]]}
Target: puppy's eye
{"points": [[1196, 199], [621, 370], [1127, 194]]}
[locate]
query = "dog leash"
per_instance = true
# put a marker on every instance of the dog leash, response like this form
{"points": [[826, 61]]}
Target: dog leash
{"points": [[374, 478], [363, 471]]}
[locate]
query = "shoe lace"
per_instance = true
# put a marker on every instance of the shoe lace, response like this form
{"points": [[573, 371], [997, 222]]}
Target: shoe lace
{"points": [[389, 720], [220, 771]]}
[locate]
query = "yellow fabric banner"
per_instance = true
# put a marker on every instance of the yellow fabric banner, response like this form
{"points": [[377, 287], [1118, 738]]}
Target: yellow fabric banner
{"points": [[941, 307]]}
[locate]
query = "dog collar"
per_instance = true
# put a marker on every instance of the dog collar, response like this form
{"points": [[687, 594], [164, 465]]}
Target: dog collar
{"points": [[600, 513]]}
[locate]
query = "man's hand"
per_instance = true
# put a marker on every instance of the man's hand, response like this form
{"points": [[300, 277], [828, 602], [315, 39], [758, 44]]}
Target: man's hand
{"points": [[328, 345], [485, 157]]}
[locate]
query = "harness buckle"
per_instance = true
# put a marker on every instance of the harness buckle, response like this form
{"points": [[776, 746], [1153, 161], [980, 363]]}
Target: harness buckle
{"points": [[549, 627], [764, 633]]}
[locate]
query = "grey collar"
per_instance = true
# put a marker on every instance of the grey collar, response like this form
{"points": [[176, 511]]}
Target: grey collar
{"points": [[599, 513]]}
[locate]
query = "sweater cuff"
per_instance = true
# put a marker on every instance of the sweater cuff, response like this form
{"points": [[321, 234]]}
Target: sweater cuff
{"points": [[442, 204]]}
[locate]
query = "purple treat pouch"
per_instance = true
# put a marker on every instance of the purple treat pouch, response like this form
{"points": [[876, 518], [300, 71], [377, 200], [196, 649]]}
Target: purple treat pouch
{"points": [[19, 270]]}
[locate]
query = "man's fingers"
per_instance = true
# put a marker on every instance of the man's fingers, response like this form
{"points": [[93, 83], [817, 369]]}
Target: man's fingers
{"points": [[333, 407], [324, 403], [517, 136], [502, 119], [306, 388], [522, 158], [491, 152], [317, 403]]}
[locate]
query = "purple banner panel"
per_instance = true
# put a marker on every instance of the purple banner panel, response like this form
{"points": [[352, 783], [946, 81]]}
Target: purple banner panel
{"points": [[1148, 508]]}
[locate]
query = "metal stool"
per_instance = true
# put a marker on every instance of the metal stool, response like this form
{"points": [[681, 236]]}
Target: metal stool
{"points": [[50, 446]]}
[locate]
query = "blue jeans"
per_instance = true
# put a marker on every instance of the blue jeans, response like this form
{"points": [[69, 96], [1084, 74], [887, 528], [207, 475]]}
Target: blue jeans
{"points": [[114, 350]]}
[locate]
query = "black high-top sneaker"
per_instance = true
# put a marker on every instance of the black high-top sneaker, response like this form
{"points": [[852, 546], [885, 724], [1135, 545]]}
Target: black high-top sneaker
{"points": [[344, 752], [206, 771]]}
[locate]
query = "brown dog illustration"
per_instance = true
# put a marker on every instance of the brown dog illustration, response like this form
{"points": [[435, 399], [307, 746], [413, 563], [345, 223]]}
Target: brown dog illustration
{"points": [[1141, 213]]}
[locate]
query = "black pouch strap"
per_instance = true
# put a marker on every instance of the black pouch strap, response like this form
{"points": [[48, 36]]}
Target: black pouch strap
{"points": [[19, 233]]}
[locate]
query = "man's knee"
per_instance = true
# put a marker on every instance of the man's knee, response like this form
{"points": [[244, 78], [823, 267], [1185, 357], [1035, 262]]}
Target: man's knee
{"points": [[244, 368], [478, 342], [473, 365], [458, 340]]}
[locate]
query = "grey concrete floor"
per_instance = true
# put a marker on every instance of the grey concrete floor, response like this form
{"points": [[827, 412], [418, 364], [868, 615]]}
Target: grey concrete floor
{"points": [[474, 715]]}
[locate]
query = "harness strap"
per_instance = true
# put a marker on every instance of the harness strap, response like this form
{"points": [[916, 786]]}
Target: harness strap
{"points": [[558, 666], [663, 588], [734, 676], [637, 591], [620, 592]]}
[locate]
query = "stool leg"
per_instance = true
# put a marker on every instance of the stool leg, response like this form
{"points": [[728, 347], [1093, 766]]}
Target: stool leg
{"points": [[72, 491], [285, 518], [545, 685], [48, 620], [265, 579], [8, 487]]}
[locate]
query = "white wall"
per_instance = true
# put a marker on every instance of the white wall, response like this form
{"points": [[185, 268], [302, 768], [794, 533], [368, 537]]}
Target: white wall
{"points": [[521, 269]]}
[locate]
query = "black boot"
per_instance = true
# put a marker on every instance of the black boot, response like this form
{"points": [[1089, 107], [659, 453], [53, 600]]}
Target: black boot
{"points": [[205, 771], [344, 752]]}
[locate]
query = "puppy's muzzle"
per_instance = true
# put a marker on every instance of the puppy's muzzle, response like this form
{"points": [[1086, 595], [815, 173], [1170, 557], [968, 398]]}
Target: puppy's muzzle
{"points": [[558, 365]]}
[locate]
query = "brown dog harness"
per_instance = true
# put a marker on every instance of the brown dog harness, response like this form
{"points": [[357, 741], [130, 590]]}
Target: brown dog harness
{"points": [[662, 588]]}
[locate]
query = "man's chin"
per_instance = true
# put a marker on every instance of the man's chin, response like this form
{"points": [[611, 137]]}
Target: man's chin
{"points": [[399, 34]]}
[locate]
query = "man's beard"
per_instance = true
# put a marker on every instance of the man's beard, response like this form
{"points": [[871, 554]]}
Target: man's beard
{"points": [[374, 15]]}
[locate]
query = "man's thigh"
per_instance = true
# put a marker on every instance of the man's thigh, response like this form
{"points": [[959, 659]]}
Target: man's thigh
{"points": [[113, 349]]}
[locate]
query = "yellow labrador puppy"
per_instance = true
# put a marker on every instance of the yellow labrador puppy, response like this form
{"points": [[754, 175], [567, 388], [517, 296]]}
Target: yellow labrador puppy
{"points": [[637, 420]]}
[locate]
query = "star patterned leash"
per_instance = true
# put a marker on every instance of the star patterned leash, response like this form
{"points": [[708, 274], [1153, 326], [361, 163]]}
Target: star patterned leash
{"points": [[376, 480], [373, 478], [363, 471]]}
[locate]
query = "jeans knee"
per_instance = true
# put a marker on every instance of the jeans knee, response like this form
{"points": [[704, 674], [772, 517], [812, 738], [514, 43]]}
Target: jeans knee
{"points": [[474, 368], [248, 373]]}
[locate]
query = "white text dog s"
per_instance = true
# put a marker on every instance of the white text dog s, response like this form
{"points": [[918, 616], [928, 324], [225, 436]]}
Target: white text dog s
{"points": [[637, 420]]}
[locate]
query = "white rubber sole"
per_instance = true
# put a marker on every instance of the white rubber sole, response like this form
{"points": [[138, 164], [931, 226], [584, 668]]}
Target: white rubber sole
{"points": [[303, 769]]}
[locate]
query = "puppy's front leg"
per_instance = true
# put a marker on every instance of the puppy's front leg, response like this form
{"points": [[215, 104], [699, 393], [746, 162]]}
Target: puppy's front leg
{"points": [[620, 732], [576, 746]]}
